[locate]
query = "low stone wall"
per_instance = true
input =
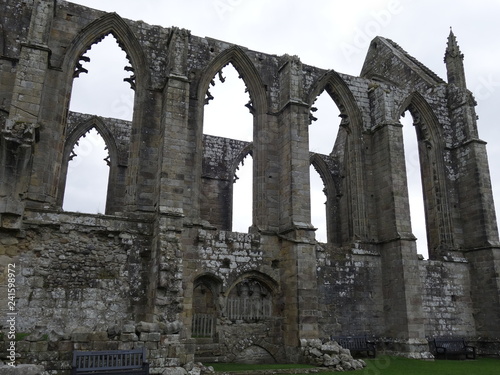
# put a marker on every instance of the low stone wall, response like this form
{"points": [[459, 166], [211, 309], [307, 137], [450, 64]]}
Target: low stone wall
{"points": [[23, 370], [165, 348]]}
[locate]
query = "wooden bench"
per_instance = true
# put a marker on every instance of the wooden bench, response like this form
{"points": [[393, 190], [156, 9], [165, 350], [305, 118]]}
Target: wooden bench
{"points": [[446, 347], [357, 344], [129, 362]]}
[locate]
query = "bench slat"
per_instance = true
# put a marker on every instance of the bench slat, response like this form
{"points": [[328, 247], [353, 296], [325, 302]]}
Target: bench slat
{"points": [[113, 361], [356, 343], [445, 346]]}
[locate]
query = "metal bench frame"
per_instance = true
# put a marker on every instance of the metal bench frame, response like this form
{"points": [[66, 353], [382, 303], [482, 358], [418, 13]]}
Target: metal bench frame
{"points": [[357, 344], [130, 362], [453, 346]]}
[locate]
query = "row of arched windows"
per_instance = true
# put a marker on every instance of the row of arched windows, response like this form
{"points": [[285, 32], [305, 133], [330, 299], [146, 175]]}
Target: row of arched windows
{"points": [[95, 95]]}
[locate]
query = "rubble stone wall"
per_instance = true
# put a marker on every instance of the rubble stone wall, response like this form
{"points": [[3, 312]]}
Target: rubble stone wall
{"points": [[162, 268]]}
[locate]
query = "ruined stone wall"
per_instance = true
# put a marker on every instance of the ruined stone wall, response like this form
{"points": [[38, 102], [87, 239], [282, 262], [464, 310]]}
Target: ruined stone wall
{"points": [[221, 158], [350, 289], [79, 271], [80, 278], [164, 255], [448, 307], [230, 258]]}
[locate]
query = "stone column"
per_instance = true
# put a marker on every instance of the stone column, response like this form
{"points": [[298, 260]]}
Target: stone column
{"points": [[170, 297], [400, 273], [21, 128], [477, 210], [298, 275]]}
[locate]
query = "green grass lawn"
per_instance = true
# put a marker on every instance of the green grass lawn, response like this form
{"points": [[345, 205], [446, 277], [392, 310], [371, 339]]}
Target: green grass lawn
{"points": [[404, 366], [391, 366]]}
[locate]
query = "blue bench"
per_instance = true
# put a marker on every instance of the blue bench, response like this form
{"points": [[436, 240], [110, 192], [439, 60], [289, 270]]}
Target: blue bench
{"points": [[129, 362]]}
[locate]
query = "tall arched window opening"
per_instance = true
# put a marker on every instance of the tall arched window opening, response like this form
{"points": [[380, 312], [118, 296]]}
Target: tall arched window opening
{"points": [[323, 133], [105, 87], [88, 172], [228, 115], [414, 179], [102, 87], [318, 205], [242, 196]]}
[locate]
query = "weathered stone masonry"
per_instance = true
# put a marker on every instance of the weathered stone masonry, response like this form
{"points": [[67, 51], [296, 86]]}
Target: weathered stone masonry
{"points": [[163, 269]]}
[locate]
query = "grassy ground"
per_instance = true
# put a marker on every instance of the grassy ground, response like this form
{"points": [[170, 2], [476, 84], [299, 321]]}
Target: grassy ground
{"points": [[400, 366], [392, 366]]}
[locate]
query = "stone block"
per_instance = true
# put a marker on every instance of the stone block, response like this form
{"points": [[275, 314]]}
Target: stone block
{"points": [[39, 346], [98, 336], [147, 327], [128, 328], [129, 337]]}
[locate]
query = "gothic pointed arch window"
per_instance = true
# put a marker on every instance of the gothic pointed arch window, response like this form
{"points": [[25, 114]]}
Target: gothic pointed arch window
{"points": [[104, 81], [242, 192], [323, 136], [228, 113], [89, 157], [228, 110], [250, 300], [206, 309], [412, 136], [103, 85]]}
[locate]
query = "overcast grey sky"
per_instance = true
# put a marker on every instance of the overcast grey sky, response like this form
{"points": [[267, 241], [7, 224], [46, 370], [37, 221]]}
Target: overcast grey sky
{"points": [[335, 35]]}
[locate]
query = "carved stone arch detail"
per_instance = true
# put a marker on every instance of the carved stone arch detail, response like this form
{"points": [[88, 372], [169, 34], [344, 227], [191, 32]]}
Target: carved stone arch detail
{"points": [[246, 151], [340, 93], [238, 354], [110, 23], [267, 280], [428, 129], [245, 67], [322, 168], [333, 192], [80, 129], [113, 161], [211, 281]]}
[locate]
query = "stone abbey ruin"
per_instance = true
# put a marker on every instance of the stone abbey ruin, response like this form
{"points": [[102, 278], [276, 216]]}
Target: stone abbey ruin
{"points": [[162, 268]]}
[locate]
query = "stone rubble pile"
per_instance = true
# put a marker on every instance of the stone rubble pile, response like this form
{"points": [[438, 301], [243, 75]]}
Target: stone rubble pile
{"points": [[191, 368], [329, 354]]}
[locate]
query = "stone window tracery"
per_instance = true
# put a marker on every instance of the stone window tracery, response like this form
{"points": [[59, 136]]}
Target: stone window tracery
{"points": [[250, 301]]}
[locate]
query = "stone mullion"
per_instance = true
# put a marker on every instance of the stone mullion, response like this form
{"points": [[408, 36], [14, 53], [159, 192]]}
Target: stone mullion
{"points": [[295, 186], [266, 174], [176, 174], [390, 178]]}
